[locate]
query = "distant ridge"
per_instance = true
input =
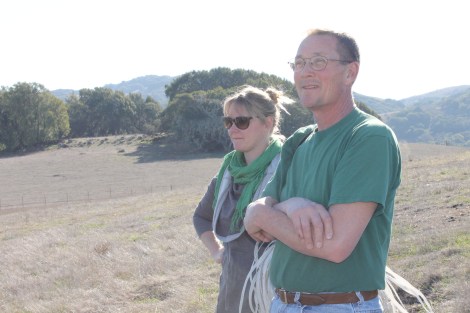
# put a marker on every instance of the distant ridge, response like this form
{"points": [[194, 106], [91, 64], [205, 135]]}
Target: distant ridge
{"points": [[150, 85], [64, 93], [380, 105], [440, 93]]}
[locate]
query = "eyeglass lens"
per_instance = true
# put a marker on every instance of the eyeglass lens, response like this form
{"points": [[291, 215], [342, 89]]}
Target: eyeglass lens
{"points": [[317, 63], [242, 122]]}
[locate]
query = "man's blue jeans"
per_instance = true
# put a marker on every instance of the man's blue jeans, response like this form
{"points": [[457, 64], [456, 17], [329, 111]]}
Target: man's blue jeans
{"points": [[371, 306]]}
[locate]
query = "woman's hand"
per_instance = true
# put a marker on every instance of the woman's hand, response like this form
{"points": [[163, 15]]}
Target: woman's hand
{"points": [[218, 254]]}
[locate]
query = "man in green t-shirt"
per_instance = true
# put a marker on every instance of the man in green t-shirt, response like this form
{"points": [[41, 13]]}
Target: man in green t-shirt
{"points": [[330, 203]]}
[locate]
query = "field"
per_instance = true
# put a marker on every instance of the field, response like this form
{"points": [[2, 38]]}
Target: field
{"points": [[104, 225]]}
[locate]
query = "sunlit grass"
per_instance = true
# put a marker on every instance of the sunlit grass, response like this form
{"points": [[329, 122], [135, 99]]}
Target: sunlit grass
{"points": [[141, 254]]}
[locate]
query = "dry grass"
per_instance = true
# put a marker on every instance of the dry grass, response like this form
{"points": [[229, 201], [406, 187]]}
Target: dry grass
{"points": [[139, 253], [128, 255], [431, 239]]}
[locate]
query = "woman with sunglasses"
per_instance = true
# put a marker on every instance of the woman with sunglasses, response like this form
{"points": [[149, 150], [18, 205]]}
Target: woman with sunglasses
{"points": [[251, 117]]}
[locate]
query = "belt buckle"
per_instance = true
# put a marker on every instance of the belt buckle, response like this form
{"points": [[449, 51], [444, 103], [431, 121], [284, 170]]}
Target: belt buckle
{"points": [[282, 293]]}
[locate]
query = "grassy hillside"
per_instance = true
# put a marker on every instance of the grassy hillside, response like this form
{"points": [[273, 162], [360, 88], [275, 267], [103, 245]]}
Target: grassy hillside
{"points": [[114, 233]]}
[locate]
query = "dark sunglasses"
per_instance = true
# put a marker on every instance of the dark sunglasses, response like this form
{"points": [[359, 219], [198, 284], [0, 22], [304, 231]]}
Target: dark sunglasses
{"points": [[242, 122]]}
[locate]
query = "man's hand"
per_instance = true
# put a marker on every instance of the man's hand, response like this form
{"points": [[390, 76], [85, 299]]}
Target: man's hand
{"points": [[255, 211], [312, 222]]}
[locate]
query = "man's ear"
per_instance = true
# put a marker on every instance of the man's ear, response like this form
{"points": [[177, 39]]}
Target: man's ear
{"points": [[352, 71]]}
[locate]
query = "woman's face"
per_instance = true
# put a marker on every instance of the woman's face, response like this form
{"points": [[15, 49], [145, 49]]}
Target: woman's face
{"points": [[253, 140]]}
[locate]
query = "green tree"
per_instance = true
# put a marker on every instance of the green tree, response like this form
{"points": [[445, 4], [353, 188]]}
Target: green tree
{"points": [[3, 120], [78, 115], [196, 118], [146, 113], [103, 111], [225, 78], [53, 123], [31, 115], [298, 116]]}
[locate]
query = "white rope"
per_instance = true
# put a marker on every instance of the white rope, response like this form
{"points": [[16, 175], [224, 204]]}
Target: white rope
{"points": [[261, 291], [390, 298]]}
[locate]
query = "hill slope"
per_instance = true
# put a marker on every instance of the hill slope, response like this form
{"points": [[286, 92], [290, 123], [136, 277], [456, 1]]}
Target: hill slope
{"points": [[150, 85], [133, 248]]}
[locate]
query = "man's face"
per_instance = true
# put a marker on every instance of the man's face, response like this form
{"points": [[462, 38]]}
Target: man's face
{"points": [[320, 88]]}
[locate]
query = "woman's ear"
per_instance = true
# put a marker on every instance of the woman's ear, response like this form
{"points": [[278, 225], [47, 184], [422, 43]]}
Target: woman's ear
{"points": [[269, 122]]}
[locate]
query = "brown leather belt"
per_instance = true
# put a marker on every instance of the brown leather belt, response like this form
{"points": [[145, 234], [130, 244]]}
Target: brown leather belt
{"points": [[324, 298]]}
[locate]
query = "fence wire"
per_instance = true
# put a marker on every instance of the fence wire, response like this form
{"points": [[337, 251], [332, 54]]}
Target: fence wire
{"points": [[51, 198]]}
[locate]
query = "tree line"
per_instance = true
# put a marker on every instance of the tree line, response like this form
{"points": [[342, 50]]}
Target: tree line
{"points": [[31, 116]]}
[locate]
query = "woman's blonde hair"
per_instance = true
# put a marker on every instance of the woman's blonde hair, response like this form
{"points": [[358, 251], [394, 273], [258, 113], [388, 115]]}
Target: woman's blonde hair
{"points": [[261, 104]]}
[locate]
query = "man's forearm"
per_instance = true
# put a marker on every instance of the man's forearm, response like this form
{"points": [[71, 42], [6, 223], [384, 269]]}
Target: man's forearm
{"points": [[262, 218], [347, 222]]}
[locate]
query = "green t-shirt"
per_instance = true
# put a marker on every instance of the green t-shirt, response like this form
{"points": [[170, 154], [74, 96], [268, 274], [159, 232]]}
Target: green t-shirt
{"points": [[355, 160]]}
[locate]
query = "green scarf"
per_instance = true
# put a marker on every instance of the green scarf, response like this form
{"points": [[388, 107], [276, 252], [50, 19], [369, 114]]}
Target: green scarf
{"points": [[248, 175]]}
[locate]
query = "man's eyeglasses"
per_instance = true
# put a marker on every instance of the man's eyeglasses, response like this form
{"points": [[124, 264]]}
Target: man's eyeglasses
{"points": [[242, 122], [316, 63]]}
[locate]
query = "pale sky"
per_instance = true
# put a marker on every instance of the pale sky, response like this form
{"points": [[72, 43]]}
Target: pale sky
{"points": [[408, 47]]}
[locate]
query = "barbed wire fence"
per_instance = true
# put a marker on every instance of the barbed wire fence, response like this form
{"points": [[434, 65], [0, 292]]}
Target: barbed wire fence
{"points": [[29, 200]]}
